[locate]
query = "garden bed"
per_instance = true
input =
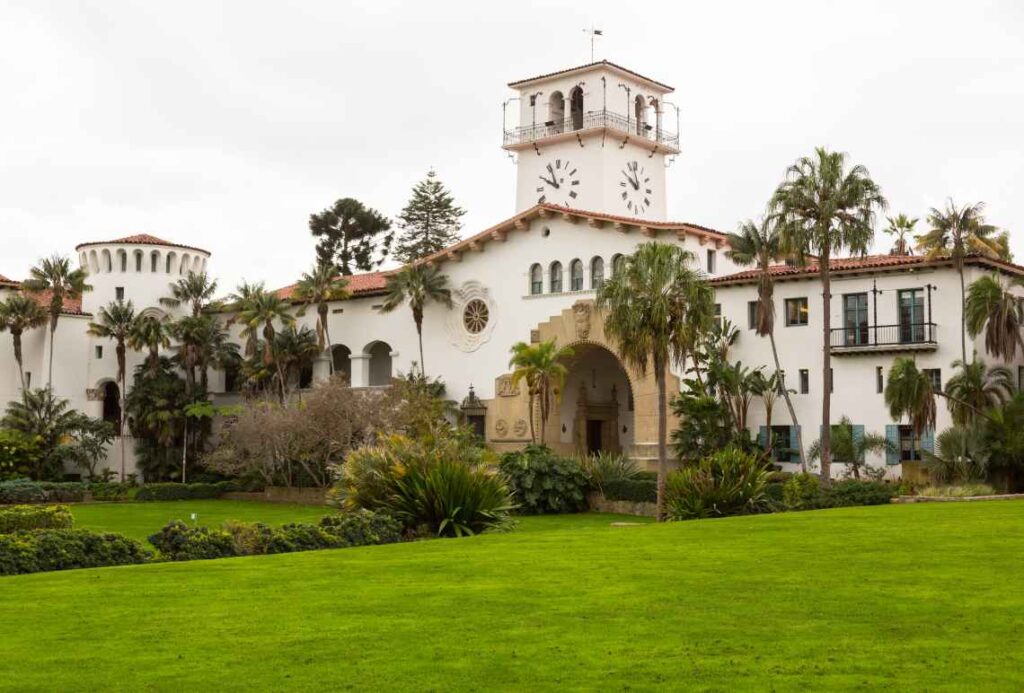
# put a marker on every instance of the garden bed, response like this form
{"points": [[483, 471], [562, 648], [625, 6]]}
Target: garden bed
{"points": [[953, 499]]}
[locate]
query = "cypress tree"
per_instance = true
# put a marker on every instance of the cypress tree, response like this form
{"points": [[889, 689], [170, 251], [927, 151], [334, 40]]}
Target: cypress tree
{"points": [[429, 222]]}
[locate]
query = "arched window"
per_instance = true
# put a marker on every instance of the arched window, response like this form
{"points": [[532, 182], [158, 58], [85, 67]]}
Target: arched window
{"points": [[536, 280], [556, 112], [138, 260], [596, 273], [111, 403], [172, 258], [576, 276], [341, 358], [555, 277], [640, 113], [108, 266], [656, 107], [618, 262], [576, 107], [122, 260], [94, 263], [380, 363], [154, 261], [186, 261]]}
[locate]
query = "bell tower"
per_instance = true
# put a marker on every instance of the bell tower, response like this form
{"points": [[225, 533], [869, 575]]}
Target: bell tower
{"points": [[594, 138]]}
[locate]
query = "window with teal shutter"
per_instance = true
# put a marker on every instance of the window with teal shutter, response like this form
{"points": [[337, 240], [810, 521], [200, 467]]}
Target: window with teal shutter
{"points": [[892, 434], [928, 440], [762, 437], [858, 438]]}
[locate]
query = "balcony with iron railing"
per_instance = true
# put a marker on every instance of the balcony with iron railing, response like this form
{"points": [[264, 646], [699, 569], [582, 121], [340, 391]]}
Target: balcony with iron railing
{"points": [[591, 120], [917, 336]]}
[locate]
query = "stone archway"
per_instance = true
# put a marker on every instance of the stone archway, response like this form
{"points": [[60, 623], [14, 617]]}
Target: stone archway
{"points": [[594, 412]]}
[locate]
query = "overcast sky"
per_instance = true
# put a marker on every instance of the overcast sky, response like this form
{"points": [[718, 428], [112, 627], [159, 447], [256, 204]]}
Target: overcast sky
{"points": [[224, 125]]}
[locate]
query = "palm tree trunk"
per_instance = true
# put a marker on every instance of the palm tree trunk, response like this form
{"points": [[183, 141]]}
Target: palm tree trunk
{"points": [[49, 372], [18, 358], [659, 376], [419, 334], [121, 425], [963, 323], [789, 403], [533, 431], [330, 350], [826, 374]]}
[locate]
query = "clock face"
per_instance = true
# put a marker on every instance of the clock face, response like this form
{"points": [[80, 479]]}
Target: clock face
{"points": [[558, 183], [636, 188]]}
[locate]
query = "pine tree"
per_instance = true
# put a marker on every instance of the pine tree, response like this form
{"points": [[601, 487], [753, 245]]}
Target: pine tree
{"points": [[352, 236], [429, 222]]}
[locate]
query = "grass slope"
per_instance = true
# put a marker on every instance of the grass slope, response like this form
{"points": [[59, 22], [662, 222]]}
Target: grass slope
{"points": [[913, 596], [140, 520]]}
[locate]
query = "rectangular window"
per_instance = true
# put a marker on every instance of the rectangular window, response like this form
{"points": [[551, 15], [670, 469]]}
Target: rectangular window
{"points": [[935, 375], [718, 315], [796, 311], [99, 351], [752, 314], [879, 384], [805, 381], [911, 315], [855, 319], [910, 445], [711, 262], [119, 293], [782, 446]]}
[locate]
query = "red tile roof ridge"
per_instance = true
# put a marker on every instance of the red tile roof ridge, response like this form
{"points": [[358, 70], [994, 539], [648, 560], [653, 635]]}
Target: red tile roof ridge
{"points": [[142, 239]]}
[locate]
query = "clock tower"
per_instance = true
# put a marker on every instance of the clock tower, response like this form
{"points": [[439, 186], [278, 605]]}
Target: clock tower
{"points": [[593, 138]]}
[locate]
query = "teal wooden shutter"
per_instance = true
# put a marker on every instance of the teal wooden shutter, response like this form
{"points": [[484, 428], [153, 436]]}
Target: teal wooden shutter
{"points": [[762, 437], [928, 440], [794, 453], [892, 434], [858, 438]]}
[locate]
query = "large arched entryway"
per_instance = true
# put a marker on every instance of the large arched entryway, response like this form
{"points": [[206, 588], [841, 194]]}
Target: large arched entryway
{"points": [[595, 413], [111, 403]]}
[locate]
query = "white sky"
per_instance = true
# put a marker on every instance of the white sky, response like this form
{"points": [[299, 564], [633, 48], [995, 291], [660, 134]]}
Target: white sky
{"points": [[224, 125]]}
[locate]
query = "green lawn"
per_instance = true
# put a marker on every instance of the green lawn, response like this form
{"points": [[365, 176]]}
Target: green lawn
{"points": [[925, 596]]}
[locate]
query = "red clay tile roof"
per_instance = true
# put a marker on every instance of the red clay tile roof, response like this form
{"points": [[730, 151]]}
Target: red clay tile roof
{"points": [[866, 264], [599, 63], [358, 284], [141, 239], [4, 281], [71, 306]]}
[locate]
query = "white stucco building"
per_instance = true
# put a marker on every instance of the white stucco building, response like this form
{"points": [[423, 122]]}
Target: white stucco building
{"points": [[593, 145]]}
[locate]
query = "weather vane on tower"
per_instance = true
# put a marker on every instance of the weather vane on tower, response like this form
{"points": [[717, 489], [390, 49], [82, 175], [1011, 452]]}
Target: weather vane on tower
{"points": [[594, 33]]}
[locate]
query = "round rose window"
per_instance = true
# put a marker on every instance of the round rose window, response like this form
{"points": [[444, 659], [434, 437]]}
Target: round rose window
{"points": [[475, 315]]}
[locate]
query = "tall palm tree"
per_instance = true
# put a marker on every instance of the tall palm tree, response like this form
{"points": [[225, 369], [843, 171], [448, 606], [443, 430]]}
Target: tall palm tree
{"points": [[543, 368], [244, 299], [151, 333], [993, 309], [116, 321], [824, 207], [977, 387], [17, 314], [55, 276], [647, 304], [417, 285], [296, 349], [195, 289], [761, 245], [258, 311], [318, 288], [955, 232], [910, 393], [900, 227]]}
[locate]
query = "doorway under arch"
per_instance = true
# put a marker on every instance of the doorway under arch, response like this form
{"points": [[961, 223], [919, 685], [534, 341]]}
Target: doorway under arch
{"points": [[111, 403], [341, 359], [380, 363], [596, 409]]}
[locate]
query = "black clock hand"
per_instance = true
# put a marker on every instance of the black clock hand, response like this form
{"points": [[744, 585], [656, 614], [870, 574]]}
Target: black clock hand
{"points": [[634, 183], [552, 183]]}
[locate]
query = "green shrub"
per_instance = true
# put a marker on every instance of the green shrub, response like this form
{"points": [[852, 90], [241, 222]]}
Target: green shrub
{"points": [[112, 491], [544, 482], [639, 490], [441, 484], [728, 482], [851, 492], [173, 491], [23, 517], [26, 491], [20, 453], [802, 491], [178, 541], [609, 468], [63, 549], [962, 491], [363, 528]]}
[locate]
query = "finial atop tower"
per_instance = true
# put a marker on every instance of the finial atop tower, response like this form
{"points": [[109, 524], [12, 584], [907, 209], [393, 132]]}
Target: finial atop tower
{"points": [[594, 33]]}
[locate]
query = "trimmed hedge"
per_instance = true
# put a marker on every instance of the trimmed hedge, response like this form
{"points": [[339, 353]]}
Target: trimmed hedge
{"points": [[22, 491], [173, 491], [640, 490], [27, 491], [180, 542], [24, 517], [63, 549]]}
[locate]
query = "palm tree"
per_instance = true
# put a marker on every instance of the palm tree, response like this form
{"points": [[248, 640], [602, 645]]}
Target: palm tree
{"points": [[417, 285], [319, 287], [151, 333], [991, 308], [55, 276], [258, 310], [296, 349], [647, 304], [47, 418], [849, 449], [961, 455], [17, 314], [761, 245], [976, 388], [824, 207], [244, 300], [195, 289], [900, 227], [116, 321], [910, 393], [543, 368], [955, 232]]}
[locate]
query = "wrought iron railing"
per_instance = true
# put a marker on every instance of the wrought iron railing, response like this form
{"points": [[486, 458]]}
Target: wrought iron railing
{"points": [[591, 119], [904, 334]]}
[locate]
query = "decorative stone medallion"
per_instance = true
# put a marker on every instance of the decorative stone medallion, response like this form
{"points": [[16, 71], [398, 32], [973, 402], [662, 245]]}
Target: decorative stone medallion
{"points": [[520, 428], [501, 428], [472, 317], [506, 387]]}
